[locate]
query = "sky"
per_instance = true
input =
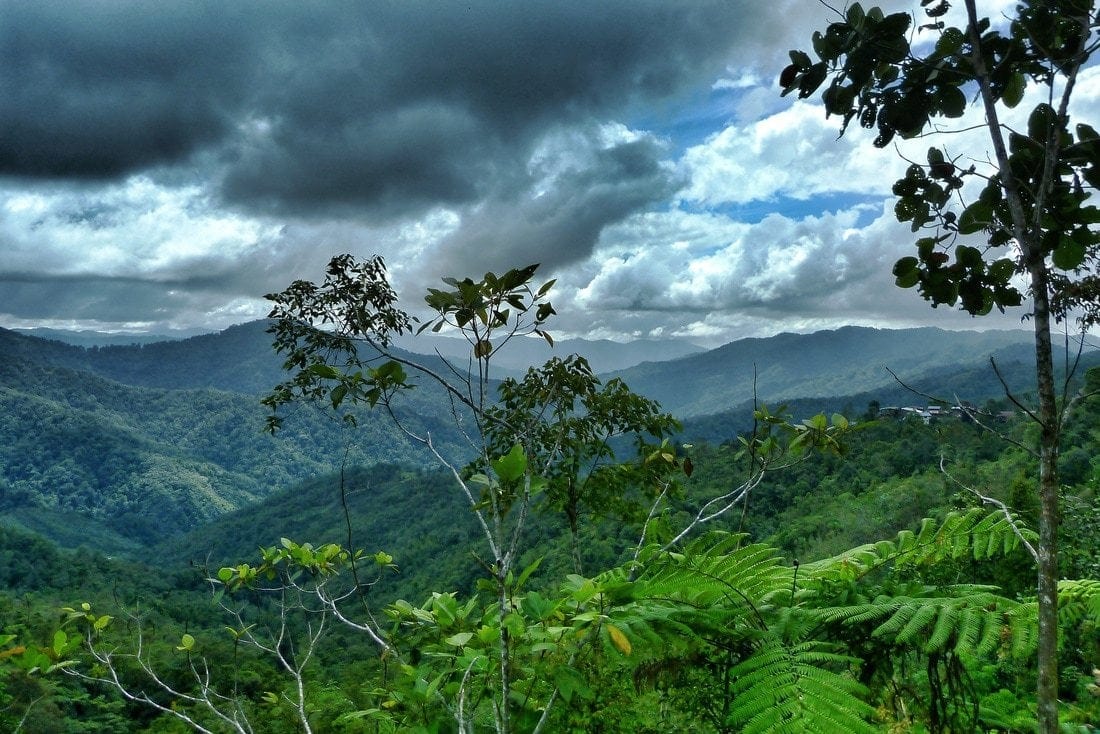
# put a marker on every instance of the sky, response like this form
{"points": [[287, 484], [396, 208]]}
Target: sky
{"points": [[163, 166]]}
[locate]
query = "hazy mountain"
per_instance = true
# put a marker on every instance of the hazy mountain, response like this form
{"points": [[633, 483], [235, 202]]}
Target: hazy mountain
{"points": [[240, 357], [519, 354], [826, 363], [116, 446], [976, 384], [101, 339]]}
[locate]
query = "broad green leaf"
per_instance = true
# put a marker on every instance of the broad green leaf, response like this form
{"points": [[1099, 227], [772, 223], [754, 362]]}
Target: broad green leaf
{"points": [[1069, 255], [570, 682], [526, 574], [975, 218], [1014, 89], [905, 266], [950, 41], [951, 101], [1001, 270], [324, 370], [512, 465], [460, 639], [338, 394]]}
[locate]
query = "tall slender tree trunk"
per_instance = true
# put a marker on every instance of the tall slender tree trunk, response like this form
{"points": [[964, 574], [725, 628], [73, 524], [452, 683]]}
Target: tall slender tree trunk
{"points": [[1028, 238], [1047, 663]]}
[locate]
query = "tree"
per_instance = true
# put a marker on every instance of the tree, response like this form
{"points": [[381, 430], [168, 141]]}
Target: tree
{"points": [[502, 657], [994, 230], [569, 421]]}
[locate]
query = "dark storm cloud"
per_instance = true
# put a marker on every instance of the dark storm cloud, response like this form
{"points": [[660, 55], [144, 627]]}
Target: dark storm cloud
{"points": [[94, 90], [380, 107], [558, 220], [90, 298]]}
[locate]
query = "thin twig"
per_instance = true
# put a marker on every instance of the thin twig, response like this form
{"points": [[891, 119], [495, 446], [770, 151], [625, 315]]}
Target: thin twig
{"points": [[995, 503]]}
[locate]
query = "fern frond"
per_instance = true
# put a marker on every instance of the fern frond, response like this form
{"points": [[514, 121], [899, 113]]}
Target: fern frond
{"points": [[918, 623], [991, 637], [970, 619], [796, 688], [947, 623], [969, 630], [716, 571], [975, 533], [1079, 602]]}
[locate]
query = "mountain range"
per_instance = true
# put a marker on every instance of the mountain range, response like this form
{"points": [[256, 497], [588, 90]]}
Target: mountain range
{"points": [[118, 447]]}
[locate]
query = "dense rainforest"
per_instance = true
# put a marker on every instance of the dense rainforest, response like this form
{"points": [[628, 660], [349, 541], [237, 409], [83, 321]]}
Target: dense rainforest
{"points": [[642, 670], [425, 544]]}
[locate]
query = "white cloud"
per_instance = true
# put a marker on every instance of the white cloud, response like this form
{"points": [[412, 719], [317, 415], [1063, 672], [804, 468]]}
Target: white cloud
{"points": [[793, 153], [711, 279], [134, 229]]}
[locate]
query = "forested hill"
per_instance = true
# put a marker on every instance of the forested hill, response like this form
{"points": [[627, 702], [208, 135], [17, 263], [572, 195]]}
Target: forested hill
{"points": [[843, 362], [238, 359], [115, 464], [116, 446]]}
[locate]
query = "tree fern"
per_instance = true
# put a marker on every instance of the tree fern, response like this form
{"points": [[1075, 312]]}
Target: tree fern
{"points": [[797, 633], [797, 688], [970, 620], [1079, 602], [718, 569], [975, 533]]}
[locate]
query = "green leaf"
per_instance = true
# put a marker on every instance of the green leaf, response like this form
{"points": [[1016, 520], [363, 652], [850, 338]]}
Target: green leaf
{"points": [[512, 465], [908, 280], [1040, 121], [950, 41], [1001, 270], [460, 639], [975, 218], [1069, 255], [1014, 89], [338, 394], [855, 15], [526, 574], [1086, 132], [951, 101], [324, 370], [570, 682], [800, 59], [905, 266]]}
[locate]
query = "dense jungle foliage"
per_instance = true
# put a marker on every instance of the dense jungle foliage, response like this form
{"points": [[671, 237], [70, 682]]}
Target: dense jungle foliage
{"points": [[571, 561], [650, 665]]}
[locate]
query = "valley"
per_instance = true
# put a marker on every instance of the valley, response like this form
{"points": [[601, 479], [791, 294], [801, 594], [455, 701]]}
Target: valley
{"points": [[121, 463]]}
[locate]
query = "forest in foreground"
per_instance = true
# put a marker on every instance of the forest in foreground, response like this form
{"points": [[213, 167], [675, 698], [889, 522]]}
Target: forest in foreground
{"points": [[863, 569]]}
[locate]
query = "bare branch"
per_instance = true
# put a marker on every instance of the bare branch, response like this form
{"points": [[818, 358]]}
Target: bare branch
{"points": [[994, 503]]}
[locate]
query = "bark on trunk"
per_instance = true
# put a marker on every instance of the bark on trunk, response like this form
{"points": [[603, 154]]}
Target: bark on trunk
{"points": [[1047, 662]]}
